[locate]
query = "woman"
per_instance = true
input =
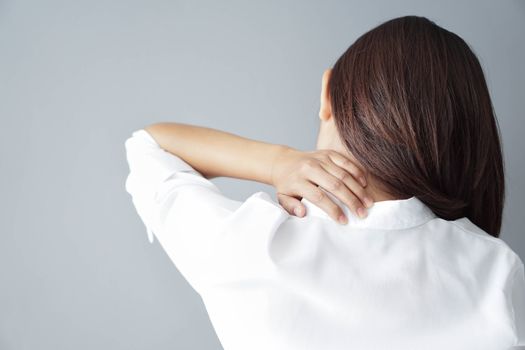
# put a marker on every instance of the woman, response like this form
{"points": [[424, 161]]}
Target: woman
{"points": [[408, 164]]}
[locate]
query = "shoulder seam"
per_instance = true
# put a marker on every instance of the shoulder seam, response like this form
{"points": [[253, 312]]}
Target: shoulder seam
{"points": [[495, 240]]}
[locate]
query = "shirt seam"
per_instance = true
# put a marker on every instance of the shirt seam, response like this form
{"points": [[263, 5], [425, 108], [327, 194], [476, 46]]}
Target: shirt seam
{"points": [[491, 239]]}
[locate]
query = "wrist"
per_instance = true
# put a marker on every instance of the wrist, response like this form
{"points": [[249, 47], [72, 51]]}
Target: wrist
{"points": [[280, 153]]}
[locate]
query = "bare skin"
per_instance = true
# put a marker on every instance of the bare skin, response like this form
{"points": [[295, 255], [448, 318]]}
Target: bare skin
{"points": [[294, 174]]}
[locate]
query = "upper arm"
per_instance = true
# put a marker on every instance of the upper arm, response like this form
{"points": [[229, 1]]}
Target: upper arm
{"points": [[211, 238]]}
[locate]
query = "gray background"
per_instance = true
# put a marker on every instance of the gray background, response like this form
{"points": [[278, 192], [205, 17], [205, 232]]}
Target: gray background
{"points": [[77, 77]]}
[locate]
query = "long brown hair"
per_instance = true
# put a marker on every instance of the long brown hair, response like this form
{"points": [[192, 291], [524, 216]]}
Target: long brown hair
{"points": [[411, 103]]}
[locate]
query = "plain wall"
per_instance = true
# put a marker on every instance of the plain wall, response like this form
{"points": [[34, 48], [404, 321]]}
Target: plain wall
{"points": [[77, 77]]}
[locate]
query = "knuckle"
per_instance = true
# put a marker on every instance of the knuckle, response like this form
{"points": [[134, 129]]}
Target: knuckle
{"points": [[356, 170], [334, 185], [343, 176], [318, 196], [360, 192], [336, 156], [351, 166], [308, 164], [294, 187], [355, 203], [311, 162]]}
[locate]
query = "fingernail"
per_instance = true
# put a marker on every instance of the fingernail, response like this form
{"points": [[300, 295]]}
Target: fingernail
{"points": [[363, 181], [297, 211], [368, 202], [361, 212], [342, 219]]}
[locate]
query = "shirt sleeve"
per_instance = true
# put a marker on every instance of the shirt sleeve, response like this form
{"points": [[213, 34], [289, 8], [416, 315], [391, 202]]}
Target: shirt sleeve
{"points": [[209, 237], [518, 301]]}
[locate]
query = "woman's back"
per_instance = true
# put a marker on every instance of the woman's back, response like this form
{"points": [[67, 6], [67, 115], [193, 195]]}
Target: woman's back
{"points": [[400, 279]]}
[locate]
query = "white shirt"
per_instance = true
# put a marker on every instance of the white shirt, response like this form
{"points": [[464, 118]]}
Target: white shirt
{"points": [[401, 278]]}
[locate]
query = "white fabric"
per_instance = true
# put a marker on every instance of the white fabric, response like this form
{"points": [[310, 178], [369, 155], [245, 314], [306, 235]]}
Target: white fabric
{"points": [[401, 278]]}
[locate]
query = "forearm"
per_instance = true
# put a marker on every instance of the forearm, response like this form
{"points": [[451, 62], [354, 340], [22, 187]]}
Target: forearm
{"points": [[217, 153]]}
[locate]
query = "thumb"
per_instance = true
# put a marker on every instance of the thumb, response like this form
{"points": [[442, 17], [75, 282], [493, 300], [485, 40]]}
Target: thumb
{"points": [[291, 204]]}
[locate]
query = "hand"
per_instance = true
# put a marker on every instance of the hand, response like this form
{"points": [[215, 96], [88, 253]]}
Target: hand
{"points": [[297, 174]]}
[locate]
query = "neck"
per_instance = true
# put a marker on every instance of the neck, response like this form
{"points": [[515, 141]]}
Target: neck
{"points": [[377, 192]]}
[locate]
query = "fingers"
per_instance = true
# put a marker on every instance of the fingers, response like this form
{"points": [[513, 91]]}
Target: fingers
{"points": [[291, 204], [338, 187], [316, 195], [358, 191], [349, 166]]}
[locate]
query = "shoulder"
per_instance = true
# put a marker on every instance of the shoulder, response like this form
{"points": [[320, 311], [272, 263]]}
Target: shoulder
{"points": [[469, 228], [473, 241], [259, 210]]}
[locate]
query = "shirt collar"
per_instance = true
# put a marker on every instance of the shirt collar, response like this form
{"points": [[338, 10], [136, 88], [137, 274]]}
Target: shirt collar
{"points": [[387, 214]]}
